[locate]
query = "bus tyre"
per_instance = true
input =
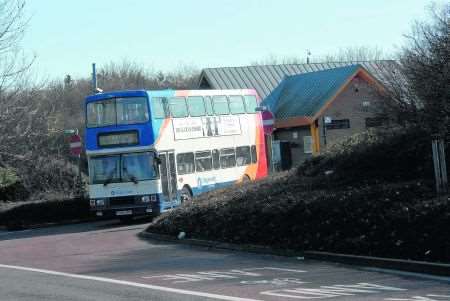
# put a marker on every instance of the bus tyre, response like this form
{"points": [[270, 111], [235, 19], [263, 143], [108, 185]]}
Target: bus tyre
{"points": [[186, 194]]}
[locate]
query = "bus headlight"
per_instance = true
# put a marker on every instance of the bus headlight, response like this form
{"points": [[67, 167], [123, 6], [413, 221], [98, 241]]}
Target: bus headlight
{"points": [[100, 202], [145, 199]]}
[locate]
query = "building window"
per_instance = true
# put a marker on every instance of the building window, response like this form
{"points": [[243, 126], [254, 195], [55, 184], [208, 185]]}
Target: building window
{"points": [[374, 122], [365, 106], [338, 124], [307, 145]]}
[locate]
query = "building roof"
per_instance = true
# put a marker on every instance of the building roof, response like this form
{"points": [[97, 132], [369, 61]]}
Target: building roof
{"points": [[306, 94], [265, 78]]}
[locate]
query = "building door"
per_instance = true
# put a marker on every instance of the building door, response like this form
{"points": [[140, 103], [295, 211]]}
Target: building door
{"points": [[168, 178]]}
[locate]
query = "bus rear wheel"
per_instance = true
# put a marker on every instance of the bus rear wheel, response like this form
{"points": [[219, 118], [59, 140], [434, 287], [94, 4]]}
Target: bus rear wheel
{"points": [[186, 194]]}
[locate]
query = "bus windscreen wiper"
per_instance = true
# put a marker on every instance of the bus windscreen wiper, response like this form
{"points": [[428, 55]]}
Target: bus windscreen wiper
{"points": [[108, 180], [134, 179]]}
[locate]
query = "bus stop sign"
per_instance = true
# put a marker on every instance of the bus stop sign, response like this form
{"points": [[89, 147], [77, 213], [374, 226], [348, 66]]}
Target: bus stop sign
{"points": [[268, 122], [75, 145]]}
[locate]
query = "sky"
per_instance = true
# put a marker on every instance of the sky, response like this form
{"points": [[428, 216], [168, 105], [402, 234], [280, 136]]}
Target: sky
{"points": [[68, 36]]}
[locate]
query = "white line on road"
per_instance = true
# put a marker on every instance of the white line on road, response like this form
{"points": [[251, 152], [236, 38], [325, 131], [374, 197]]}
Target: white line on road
{"points": [[275, 269], [128, 283]]}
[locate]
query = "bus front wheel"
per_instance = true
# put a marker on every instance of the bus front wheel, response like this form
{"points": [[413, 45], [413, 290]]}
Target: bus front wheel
{"points": [[186, 194]]}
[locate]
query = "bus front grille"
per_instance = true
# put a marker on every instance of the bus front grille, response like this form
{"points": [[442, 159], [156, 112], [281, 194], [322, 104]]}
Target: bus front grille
{"points": [[121, 201]]}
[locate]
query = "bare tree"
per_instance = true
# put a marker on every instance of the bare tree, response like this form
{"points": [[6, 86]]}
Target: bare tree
{"points": [[13, 23], [349, 54], [418, 91]]}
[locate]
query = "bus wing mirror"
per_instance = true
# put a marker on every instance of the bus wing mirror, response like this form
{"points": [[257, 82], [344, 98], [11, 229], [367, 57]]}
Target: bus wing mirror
{"points": [[158, 160]]}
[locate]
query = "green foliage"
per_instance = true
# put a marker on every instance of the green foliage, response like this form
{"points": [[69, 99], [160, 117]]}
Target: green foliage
{"points": [[45, 212], [378, 201], [8, 177]]}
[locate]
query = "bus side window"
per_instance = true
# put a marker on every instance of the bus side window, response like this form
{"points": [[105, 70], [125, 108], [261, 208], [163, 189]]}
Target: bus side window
{"points": [[254, 156], [196, 106], [158, 108], [203, 161], [250, 103], [227, 157], [208, 105], [177, 106], [215, 157], [220, 104], [236, 105], [185, 163], [243, 155]]}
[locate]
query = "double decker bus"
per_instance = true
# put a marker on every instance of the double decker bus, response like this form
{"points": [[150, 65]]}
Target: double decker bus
{"points": [[149, 151]]}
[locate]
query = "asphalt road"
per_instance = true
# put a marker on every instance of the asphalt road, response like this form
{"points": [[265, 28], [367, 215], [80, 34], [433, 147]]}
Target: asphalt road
{"points": [[107, 261]]}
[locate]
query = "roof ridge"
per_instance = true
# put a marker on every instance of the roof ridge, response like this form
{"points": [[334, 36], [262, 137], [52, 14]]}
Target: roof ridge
{"points": [[303, 64]]}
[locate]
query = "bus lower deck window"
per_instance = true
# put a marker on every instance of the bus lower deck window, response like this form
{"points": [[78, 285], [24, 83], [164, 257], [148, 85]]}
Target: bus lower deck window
{"points": [[215, 157], [203, 161], [254, 155], [185, 163], [243, 156], [227, 158]]}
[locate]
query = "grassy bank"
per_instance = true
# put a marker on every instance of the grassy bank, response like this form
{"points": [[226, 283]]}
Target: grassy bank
{"points": [[378, 200]]}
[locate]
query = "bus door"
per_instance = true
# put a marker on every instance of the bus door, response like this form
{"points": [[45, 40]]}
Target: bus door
{"points": [[168, 179]]}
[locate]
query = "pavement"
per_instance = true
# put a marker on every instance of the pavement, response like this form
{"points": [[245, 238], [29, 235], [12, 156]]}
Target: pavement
{"points": [[108, 261]]}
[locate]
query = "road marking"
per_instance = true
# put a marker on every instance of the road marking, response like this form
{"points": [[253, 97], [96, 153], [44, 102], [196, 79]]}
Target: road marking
{"points": [[334, 291], [128, 283], [275, 269], [218, 275]]}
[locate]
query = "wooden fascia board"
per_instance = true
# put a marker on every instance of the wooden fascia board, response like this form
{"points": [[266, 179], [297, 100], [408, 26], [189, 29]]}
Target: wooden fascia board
{"points": [[293, 122]]}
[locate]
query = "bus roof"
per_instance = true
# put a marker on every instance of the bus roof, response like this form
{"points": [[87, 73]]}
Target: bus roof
{"points": [[167, 93]]}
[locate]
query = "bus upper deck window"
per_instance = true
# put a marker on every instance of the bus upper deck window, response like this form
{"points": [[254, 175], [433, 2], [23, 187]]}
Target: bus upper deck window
{"points": [[236, 105], [177, 107], [196, 106], [250, 103], [159, 108], [220, 104], [208, 106]]}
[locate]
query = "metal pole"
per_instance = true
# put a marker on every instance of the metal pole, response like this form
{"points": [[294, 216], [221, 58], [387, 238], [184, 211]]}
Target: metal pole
{"points": [[437, 169], [80, 182], [94, 78], [324, 131], [443, 163]]}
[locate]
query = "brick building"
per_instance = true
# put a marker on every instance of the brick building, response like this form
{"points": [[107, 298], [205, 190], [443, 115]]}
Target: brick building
{"points": [[315, 105], [317, 109]]}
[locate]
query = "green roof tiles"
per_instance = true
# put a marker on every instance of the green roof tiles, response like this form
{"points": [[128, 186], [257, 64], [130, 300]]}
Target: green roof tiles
{"points": [[305, 94]]}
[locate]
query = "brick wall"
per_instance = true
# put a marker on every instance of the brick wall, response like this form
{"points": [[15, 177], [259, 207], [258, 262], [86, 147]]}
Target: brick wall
{"points": [[349, 105]]}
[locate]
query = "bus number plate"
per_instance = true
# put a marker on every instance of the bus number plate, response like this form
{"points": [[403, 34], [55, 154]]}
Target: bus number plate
{"points": [[124, 212]]}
